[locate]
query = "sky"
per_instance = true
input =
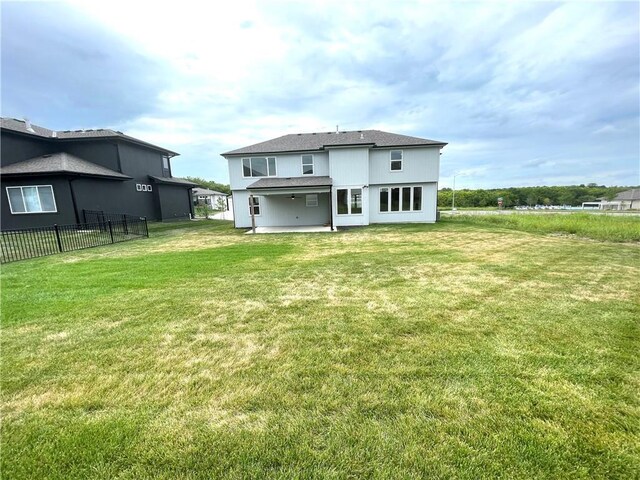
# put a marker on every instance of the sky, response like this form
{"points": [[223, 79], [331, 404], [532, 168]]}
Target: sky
{"points": [[525, 93]]}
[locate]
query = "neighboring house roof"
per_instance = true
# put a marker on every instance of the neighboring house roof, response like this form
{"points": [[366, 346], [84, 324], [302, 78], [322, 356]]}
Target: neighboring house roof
{"points": [[291, 182], [300, 142], [60, 163], [174, 181], [20, 126], [206, 191], [633, 194]]}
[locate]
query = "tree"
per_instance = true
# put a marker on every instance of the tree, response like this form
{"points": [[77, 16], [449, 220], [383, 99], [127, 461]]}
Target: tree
{"points": [[210, 184]]}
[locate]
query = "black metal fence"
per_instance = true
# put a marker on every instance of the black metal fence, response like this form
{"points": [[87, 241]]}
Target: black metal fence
{"points": [[40, 241]]}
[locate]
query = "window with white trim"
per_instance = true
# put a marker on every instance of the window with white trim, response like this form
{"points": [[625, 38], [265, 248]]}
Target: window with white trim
{"points": [[395, 160], [400, 199], [255, 207], [307, 164], [32, 199], [259, 167], [312, 200], [349, 201]]}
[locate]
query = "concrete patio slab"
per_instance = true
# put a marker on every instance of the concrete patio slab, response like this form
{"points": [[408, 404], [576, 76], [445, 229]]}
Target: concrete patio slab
{"points": [[300, 229]]}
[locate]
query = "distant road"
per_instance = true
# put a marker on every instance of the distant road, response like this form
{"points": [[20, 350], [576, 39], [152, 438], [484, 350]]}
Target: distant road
{"points": [[537, 212]]}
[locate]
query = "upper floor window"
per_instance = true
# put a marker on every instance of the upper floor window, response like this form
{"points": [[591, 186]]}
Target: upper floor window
{"points": [[396, 160], [307, 164], [32, 199], [166, 171], [259, 167]]}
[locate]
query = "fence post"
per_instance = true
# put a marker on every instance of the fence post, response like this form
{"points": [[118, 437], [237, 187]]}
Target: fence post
{"points": [[146, 228], [55, 226], [110, 230], [124, 224]]}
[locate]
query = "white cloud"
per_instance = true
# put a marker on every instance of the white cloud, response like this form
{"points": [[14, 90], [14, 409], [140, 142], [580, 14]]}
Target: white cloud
{"points": [[505, 83]]}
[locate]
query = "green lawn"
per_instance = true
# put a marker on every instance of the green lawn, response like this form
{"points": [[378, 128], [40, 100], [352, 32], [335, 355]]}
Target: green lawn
{"points": [[457, 350]]}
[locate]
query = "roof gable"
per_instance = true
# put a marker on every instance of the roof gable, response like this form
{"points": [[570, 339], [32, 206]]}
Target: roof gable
{"points": [[297, 142]]}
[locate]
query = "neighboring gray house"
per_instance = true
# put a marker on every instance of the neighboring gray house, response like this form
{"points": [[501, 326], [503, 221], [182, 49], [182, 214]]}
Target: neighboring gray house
{"points": [[50, 177], [211, 198], [335, 178]]}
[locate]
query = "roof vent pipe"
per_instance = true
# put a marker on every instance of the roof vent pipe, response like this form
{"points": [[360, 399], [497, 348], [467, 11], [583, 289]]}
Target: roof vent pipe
{"points": [[28, 125], [54, 134], [361, 136], [337, 131]]}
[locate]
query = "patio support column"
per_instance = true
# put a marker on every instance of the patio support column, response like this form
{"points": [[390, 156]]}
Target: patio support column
{"points": [[331, 205], [253, 216]]}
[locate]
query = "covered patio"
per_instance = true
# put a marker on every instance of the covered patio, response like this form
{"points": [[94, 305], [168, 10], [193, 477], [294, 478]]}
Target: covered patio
{"points": [[288, 204]]}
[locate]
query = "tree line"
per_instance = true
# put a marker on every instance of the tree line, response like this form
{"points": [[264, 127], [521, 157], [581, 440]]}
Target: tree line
{"points": [[210, 184], [572, 195]]}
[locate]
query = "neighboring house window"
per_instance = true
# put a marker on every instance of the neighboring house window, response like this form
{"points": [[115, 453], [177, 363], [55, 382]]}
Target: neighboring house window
{"points": [[259, 167], [32, 199], [396, 160], [349, 201], [307, 164], [312, 200], [165, 166], [255, 207], [396, 199]]}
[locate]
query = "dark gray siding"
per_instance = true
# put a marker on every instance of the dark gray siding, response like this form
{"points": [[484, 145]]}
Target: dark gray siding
{"points": [[61, 193], [114, 197], [104, 153], [138, 162], [17, 148], [175, 202]]}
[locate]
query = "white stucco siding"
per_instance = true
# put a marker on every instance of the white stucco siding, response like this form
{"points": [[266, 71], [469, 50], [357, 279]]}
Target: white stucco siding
{"points": [[349, 166], [426, 215], [418, 165], [289, 165]]}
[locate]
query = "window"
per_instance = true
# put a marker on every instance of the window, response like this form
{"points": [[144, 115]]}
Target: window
{"points": [[396, 160], [312, 200], [384, 199], [349, 201], [417, 198], [32, 199], [406, 199], [256, 206], [396, 199], [259, 167], [307, 164]]}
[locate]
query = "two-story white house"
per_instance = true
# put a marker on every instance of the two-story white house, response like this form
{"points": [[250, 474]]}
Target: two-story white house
{"points": [[335, 179]]}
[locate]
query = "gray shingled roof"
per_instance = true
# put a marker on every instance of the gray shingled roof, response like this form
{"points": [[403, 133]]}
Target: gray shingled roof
{"points": [[61, 163], [300, 142], [174, 181], [291, 182], [633, 194], [206, 191], [20, 126]]}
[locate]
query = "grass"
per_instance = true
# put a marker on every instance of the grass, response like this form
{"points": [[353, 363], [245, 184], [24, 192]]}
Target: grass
{"points": [[455, 350], [614, 228]]}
